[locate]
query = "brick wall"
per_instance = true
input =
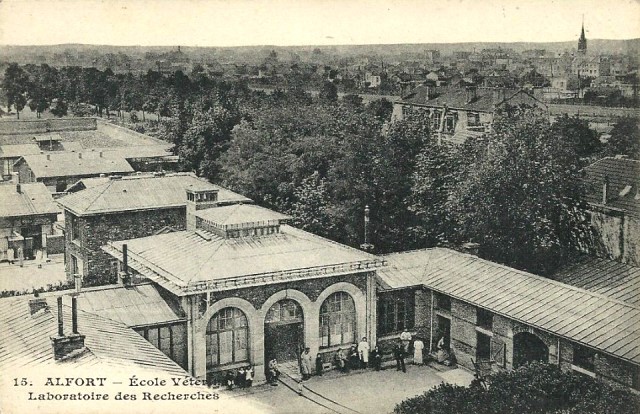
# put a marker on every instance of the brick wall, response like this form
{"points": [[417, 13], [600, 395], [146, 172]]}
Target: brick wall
{"points": [[96, 231]]}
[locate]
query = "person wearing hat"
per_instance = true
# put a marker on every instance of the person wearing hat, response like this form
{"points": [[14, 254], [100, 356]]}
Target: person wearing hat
{"points": [[341, 360], [306, 362]]}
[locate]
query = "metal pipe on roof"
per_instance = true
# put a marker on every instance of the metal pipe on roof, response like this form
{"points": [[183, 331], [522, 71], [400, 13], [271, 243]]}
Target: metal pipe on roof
{"points": [[74, 315], [60, 321]]}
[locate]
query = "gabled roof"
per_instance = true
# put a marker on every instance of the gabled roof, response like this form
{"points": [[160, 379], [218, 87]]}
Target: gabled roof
{"points": [[589, 318], [624, 183], [142, 192], [139, 305], [238, 214], [485, 100], [183, 260], [47, 137], [71, 164], [33, 199], [608, 277], [18, 150], [25, 340]]}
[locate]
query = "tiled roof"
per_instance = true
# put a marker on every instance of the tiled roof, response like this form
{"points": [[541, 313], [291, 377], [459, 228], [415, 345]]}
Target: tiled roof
{"points": [[240, 214], [47, 137], [25, 339], [18, 150], [624, 183], [33, 199], [608, 277], [139, 305], [579, 315], [458, 98], [142, 193], [69, 164], [176, 260]]}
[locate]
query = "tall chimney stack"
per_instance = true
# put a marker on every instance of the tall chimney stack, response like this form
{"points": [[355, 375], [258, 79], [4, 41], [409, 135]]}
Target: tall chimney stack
{"points": [[66, 345], [605, 190]]}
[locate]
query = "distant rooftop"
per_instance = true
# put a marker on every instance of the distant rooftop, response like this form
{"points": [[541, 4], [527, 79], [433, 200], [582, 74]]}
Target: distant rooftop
{"points": [[586, 317], [623, 191], [69, 164], [18, 150], [484, 99], [143, 192], [33, 199]]}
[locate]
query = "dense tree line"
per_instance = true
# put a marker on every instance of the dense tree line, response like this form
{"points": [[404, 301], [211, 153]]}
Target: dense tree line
{"points": [[517, 192], [536, 388]]}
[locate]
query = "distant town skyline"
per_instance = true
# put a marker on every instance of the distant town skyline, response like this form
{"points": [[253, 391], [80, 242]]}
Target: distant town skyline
{"points": [[312, 22]]}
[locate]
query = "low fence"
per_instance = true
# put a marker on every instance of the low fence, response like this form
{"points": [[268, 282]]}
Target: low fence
{"points": [[43, 126]]}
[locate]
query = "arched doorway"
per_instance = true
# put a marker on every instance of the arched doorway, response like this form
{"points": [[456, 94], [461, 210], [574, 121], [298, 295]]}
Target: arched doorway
{"points": [[527, 347], [283, 331]]}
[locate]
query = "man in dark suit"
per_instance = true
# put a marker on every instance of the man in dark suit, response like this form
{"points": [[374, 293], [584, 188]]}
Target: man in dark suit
{"points": [[398, 353]]}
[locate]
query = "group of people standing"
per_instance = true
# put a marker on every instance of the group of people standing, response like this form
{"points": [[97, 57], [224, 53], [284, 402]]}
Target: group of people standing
{"points": [[243, 378]]}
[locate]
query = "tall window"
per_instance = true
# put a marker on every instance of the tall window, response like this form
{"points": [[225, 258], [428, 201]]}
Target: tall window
{"points": [[337, 320], [75, 227], [396, 312], [172, 340], [227, 338]]}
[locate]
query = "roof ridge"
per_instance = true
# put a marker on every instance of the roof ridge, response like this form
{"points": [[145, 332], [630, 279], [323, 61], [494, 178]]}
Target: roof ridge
{"points": [[106, 186], [544, 279]]}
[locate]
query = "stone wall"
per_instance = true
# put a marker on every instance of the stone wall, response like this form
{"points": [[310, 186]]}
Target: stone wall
{"points": [[96, 231], [43, 126], [619, 234]]}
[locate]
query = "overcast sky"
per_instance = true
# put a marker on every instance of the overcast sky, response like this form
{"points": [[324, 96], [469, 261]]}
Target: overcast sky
{"points": [[311, 22]]}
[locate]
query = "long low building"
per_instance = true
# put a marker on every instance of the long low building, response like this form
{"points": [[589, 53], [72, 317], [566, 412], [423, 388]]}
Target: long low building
{"points": [[494, 313]]}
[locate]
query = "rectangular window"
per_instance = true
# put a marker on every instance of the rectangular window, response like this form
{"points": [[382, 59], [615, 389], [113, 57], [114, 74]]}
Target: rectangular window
{"points": [[584, 357], [473, 119], [443, 302], [484, 319], [396, 312]]}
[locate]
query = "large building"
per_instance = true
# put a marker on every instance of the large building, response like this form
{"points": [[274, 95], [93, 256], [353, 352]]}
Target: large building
{"points": [[118, 208], [456, 114]]}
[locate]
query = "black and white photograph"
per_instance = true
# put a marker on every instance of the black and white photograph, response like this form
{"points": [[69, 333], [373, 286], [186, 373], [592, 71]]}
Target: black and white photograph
{"points": [[319, 206]]}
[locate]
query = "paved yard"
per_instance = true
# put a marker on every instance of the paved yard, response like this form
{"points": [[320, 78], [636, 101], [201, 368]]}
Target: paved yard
{"points": [[30, 276], [363, 391]]}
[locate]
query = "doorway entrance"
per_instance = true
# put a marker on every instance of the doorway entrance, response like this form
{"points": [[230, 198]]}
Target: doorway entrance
{"points": [[527, 347], [283, 331], [443, 330]]}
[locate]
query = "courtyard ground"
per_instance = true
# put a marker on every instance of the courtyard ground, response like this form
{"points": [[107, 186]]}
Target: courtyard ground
{"points": [[30, 276], [362, 392]]}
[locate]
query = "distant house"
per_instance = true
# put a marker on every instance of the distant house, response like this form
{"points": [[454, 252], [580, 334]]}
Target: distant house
{"points": [[614, 199], [27, 216], [456, 114], [58, 170]]}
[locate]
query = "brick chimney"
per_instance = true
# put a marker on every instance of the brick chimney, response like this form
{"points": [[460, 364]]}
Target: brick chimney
{"points": [[64, 345], [36, 304], [471, 248]]}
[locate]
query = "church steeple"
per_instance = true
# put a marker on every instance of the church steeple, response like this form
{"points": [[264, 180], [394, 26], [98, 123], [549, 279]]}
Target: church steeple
{"points": [[582, 42]]}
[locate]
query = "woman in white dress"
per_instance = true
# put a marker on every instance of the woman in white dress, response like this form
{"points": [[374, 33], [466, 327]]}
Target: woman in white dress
{"points": [[418, 346]]}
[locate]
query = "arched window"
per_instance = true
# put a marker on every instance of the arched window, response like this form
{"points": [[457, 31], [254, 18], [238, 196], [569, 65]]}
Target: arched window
{"points": [[337, 320], [284, 311], [227, 337]]}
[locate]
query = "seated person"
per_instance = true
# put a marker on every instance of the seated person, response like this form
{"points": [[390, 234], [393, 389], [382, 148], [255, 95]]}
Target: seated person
{"points": [[341, 360], [354, 358]]}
